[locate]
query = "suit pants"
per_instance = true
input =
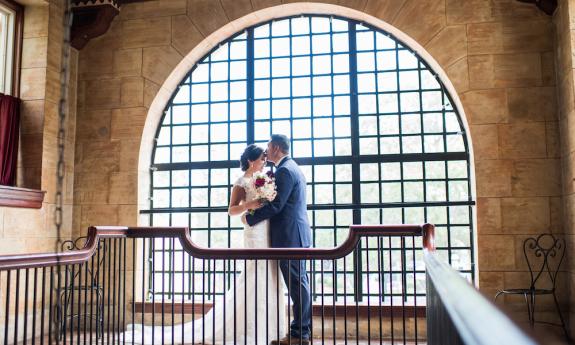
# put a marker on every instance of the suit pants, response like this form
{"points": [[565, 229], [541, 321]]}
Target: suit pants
{"points": [[295, 277]]}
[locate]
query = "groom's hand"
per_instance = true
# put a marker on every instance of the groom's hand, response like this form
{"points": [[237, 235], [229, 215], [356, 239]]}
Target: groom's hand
{"points": [[244, 219]]}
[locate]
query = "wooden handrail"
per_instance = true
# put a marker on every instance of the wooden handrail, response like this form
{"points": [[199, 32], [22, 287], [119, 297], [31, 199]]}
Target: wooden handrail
{"points": [[95, 233], [453, 303]]}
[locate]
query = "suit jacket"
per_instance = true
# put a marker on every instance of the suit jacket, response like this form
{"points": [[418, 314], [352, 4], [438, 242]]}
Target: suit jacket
{"points": [[289, 226]]}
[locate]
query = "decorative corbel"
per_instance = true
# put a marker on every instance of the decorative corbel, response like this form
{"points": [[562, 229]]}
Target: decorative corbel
{"points": [[547, 6], [92, 18]]}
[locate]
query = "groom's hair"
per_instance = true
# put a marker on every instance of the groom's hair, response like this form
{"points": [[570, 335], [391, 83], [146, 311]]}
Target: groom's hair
{"points": [[280, 141]]}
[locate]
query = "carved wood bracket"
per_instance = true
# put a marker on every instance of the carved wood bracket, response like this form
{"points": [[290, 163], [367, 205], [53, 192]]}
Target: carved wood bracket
{"points": [[92, 18], [547, 6]]}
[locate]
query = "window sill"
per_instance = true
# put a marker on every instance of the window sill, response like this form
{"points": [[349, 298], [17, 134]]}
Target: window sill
{"points": [[21, 197]]}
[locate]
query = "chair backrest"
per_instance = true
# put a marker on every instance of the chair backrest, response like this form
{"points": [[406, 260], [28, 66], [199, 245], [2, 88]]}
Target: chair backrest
{"points": [[544, 255], [98, 258]]}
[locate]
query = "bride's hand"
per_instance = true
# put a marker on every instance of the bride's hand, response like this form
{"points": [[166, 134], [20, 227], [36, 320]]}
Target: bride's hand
{"points": [[253, 205]]}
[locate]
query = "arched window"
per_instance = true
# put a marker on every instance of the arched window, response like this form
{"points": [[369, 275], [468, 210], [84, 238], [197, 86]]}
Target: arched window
{"points": [[371, 126]]}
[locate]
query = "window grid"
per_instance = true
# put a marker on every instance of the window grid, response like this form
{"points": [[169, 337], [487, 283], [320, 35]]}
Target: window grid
{"points": [[360, 210]]}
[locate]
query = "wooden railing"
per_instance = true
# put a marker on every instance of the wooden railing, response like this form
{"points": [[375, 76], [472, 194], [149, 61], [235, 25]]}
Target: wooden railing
{"points": [[90, 294], [458, 314]]}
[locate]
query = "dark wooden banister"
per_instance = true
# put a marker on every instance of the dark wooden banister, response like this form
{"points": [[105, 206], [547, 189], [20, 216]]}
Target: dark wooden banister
{"points": [[95, 233], [477, 320]]}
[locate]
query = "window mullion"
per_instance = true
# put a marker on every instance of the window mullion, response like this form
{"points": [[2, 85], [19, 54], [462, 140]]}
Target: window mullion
{"points": [[250, 84]]}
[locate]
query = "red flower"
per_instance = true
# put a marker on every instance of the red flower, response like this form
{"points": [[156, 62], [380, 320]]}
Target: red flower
{"points": [[260, 182]]}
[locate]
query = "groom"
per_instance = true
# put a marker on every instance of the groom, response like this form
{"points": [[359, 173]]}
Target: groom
{"points": [[289, 228]]}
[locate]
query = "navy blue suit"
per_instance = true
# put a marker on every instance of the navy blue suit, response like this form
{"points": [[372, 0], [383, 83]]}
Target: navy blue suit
{"points": [[289, 228]]}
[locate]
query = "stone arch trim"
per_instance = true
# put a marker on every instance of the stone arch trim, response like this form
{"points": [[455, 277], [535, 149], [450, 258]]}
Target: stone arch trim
{"points": [[171, 83]]}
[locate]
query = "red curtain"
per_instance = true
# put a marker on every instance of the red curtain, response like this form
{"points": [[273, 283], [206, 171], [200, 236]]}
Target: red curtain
{"points": [[9, 131]]}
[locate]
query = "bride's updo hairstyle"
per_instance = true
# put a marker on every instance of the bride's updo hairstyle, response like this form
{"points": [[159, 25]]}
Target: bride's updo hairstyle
{"points": [[251, 153]]}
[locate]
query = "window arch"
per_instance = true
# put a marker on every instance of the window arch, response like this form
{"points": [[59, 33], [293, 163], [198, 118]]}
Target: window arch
{"points": [[371, 125]]}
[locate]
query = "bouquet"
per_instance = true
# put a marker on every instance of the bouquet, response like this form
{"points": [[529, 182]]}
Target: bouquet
{"points": [[264, 186]]}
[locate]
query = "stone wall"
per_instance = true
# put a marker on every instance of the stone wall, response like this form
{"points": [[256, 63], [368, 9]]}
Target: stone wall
{"points": [[499, 56], [32, 230], [564, 20]]}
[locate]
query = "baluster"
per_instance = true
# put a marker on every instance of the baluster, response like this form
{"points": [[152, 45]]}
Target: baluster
{"points": [[414, 289], [163, 285], [173, 273], [113, 272], [214, 305], [124, 292], [403, 285], [86, 289], [152, 273], [344, 300], [381, 288], [6, 315], [334, 297], [255, 300], [26, 308], [106, 278], [322, 303], [368, 292], [16, 306], [390, 256], [245, 302], [144, 264]]}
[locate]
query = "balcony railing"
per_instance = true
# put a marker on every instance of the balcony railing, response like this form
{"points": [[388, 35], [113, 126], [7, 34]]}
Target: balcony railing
{"points": [[103, 292]]}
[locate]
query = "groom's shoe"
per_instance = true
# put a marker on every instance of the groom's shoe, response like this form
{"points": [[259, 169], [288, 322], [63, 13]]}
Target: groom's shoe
{"points": [[287, 341]]}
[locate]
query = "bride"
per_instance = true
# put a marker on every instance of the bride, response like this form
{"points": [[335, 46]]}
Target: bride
{"points": [[256, 320]]}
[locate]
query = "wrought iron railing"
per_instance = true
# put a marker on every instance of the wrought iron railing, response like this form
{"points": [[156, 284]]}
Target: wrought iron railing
{"points": [[100, 293]]}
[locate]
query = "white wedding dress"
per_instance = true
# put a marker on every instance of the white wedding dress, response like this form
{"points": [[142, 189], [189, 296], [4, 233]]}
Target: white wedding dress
{"points": [[249, 318]]}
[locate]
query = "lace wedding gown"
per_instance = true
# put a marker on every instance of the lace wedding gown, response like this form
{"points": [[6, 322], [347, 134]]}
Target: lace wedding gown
{"points": [[249, 319]]}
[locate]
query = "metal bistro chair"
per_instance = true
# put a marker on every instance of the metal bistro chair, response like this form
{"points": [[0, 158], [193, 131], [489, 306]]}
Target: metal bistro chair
{"points": [[74, 285], [544, 255]]}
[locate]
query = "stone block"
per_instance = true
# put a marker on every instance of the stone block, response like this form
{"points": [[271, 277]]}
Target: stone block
{"points": [[36, 21], [556, 214], [553, 142], [99, 215], [34, 50], [496, 252], [148, 9], [96, 63], [31, 117], [122, 188], [132, 92], [103, 93], [127, 123], [100, 156], [31, 150], [148, 32], [531, 104], [53, 85], [129, 152], [430, 21], [207, 15], [91, 187], [536, 177], [449, 45], [24, 222], [94, 124], [469, 11], [523, 140], [485, 106], [568, 175], [493, 177], [260, 4], [506, 70], [509, 37], [185, 35], [32, 83], [150, 91], [236, 8], [491, 282], [485, 141], [384, 10], [128, 62], [158, 63], [473, 11], [565, 97], [488, 216], [458, 74], [548, 68], [525, 215]]}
